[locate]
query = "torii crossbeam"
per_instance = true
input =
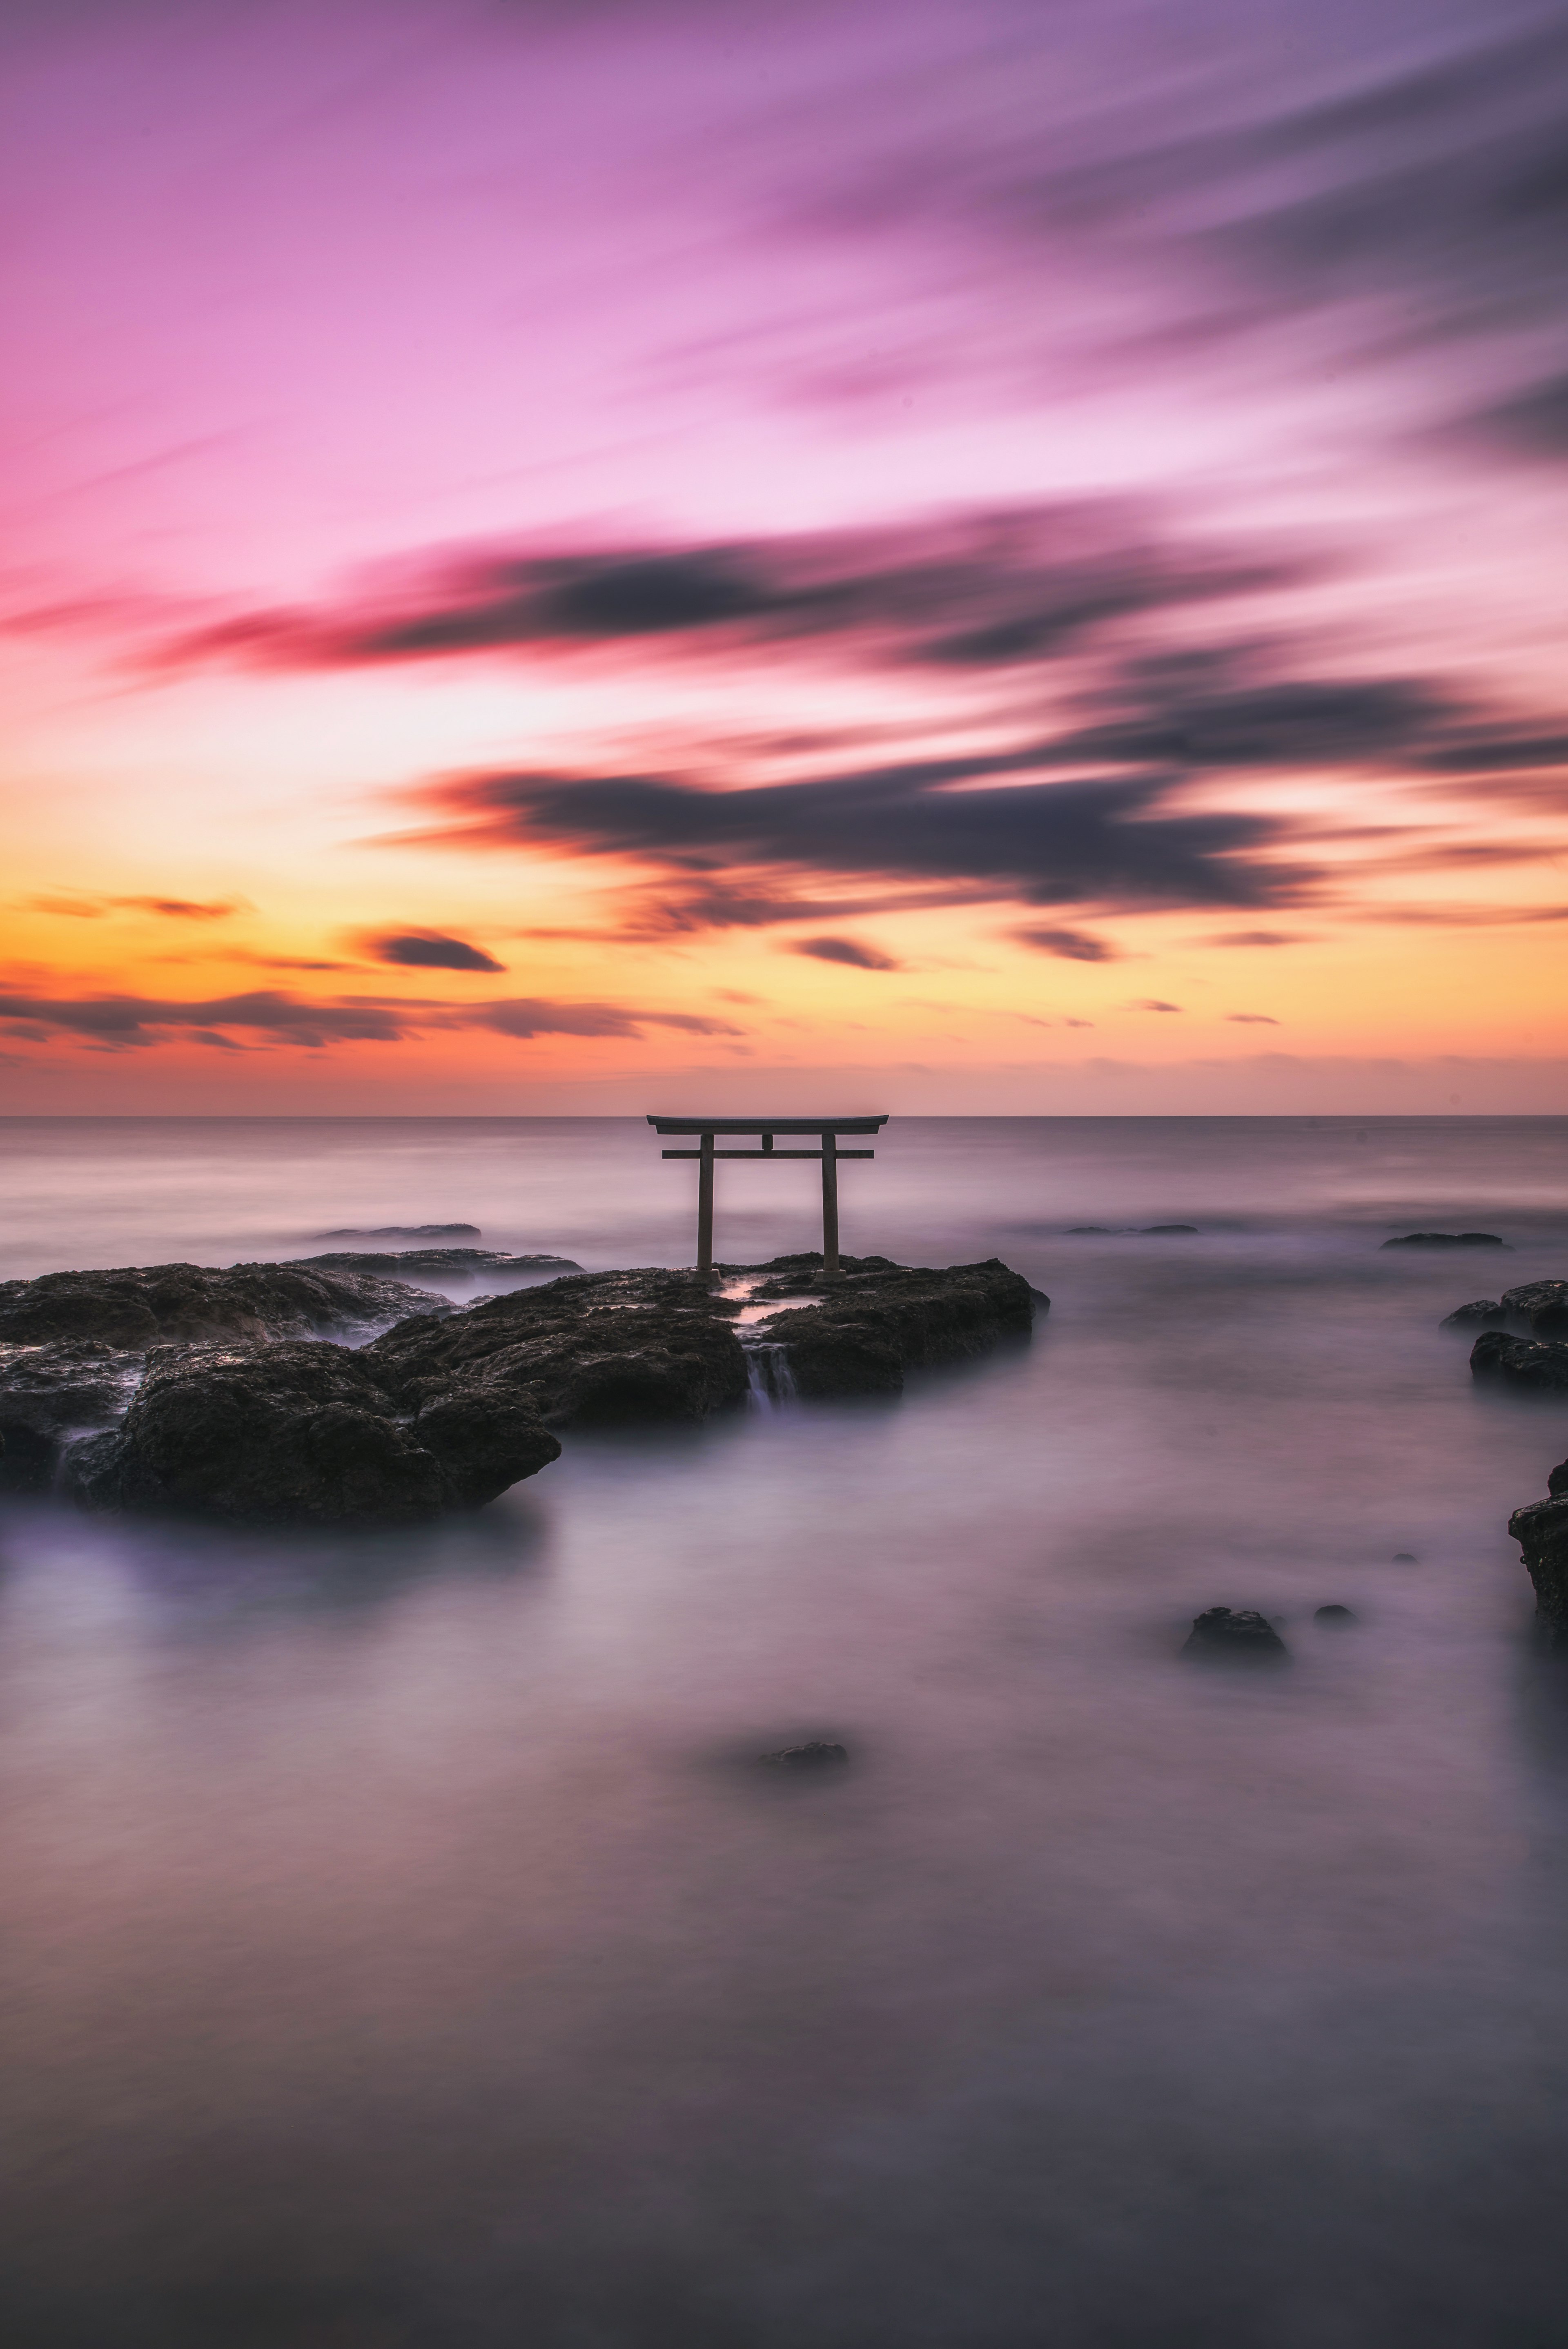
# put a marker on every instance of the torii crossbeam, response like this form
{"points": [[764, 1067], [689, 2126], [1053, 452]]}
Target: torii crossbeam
{"points": [[828, 1130]]}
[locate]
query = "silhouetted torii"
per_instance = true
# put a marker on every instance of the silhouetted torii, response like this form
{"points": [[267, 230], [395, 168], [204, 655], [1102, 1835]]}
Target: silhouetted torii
{"points": [[828, 1128]]}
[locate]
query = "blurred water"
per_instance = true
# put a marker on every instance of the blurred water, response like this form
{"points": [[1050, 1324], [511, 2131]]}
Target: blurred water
{"points": [[401, 1950]]}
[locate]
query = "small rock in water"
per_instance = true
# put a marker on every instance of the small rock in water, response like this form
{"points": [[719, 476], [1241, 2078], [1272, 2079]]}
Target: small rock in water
{"points": [[1335, 1615], [817, 1753], [1404, 1557], [1242, 1633], [1541, 1305], [1540, 1364], [1446, 1239], [403, 1232], [1486, 1310], [1084, 1231], [1150, 1230]]}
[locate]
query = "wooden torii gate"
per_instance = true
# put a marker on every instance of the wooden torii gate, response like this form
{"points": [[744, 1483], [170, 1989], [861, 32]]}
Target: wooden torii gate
{"points": [[827, 1128]]}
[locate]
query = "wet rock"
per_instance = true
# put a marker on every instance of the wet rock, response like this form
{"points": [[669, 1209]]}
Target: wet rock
{"points": [[1404, 1557], [1238, 1634], [1154, 1231], [600, 1347], [138, 1305], [1541, 1305], [1488, 1310], [1541, 1529], [301, 1434], [1557, 1483], [1089, 1231], [51, 1394], [1538, 1365], [1335, 1615], [879, 1320], [407, 1263], [1446, 1240], [817, 1753]]}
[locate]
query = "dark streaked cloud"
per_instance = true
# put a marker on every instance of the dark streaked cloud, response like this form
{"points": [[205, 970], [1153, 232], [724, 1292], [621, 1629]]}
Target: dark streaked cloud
{"points": [[121, 1022], [1110, 839], [1070, 945], [428, 950], [172, 909], [851, 951], [982, 590], [1151, 1003], [1251, 1019]]}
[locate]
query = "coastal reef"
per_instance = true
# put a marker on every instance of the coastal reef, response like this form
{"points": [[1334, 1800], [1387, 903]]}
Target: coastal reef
{"points": [[224, 1393]]}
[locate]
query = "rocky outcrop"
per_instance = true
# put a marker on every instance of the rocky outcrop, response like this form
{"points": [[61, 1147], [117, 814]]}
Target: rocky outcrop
{"points": [[1537, 1365], [817, 1753], [879, 1320], [136, 1307], [302, 1433], [265, 1421], [599, 1348], [1446, 1240], [1234, 1635], [402, 1232], [1541, 1305], [73, 1344]]}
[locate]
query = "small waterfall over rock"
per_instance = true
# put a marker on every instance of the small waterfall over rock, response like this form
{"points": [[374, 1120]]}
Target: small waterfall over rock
{"points": [[769, 1381]]}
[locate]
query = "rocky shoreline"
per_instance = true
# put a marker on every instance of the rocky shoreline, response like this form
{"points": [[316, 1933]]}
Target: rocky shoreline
{"points": [[310, 1393]]}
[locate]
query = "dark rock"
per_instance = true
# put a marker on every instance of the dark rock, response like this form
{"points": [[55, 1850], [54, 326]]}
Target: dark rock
{"points": [[301, 1434], [1151, 1231], [817, 1753], [1242, 1635], [1486, 1310], [1557, 1483], [1537, 1364], [1541, 1529], [600, 1347], [1541, 1305], [879, 1320], [49, 1394], [1335, 1615], [1404, 1557], [141, 1306], [1086, 1231], [1446, 1239], [405, 1264], [404, 1232]]}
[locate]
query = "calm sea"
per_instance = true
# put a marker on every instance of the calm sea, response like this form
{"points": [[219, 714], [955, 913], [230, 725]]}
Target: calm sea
{"points": [[401, 1950]]}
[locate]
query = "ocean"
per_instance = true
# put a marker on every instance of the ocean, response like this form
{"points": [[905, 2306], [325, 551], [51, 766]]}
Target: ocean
{"points": [[403, 1951]]}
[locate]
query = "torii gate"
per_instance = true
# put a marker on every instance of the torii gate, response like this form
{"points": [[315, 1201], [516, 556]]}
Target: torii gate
{"points": [[828, 1128]]}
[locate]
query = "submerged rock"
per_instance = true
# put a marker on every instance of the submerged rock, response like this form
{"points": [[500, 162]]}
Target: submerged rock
{"points": [[1489, 1310], [403, 1232], [1241, 1634], [1339, 1615], [1537, 1364], [301, 1434], [1157, 1231], [1541, 1305], [817, 1753], [1446, 1240]]}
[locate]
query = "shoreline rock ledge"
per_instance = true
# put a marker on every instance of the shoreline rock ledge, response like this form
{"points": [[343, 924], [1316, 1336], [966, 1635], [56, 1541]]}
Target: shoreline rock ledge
{"points": [[178, 1389]]}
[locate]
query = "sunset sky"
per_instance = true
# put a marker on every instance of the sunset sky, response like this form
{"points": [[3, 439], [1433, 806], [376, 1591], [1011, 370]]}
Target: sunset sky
{"points": [[996, 556]]}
